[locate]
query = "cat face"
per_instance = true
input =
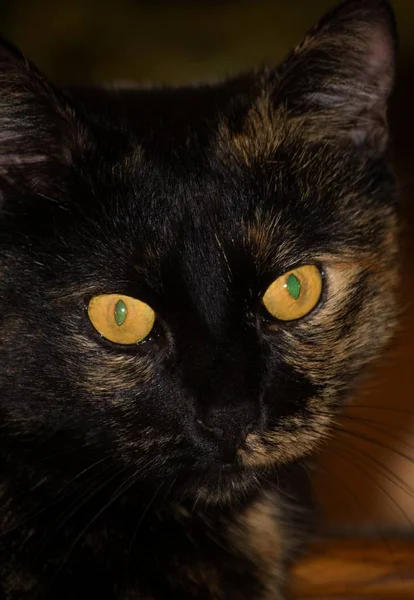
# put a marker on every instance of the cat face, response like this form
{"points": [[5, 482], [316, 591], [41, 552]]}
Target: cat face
{"points": [[199, 203]]}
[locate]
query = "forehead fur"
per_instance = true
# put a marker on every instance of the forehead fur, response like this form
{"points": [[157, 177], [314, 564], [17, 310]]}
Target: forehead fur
{"points": [[261, 132]]}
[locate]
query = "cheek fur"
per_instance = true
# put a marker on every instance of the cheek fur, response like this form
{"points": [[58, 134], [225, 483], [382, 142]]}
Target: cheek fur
{"points": [[350, 329]]}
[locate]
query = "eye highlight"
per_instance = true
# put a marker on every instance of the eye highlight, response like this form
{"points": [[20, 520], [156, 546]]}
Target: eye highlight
{"points": [[121, 319], [294, 294]]}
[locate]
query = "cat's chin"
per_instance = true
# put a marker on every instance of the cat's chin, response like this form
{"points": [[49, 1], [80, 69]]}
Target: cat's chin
{"points": [[222, 484]]}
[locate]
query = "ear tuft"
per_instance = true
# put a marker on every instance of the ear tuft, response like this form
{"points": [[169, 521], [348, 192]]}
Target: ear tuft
{"points": [[37, 126], [340, 77]]}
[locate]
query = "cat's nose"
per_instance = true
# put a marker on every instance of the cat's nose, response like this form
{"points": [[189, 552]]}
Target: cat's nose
{"points": [[217, 432], [220, 433], [226, 438]]}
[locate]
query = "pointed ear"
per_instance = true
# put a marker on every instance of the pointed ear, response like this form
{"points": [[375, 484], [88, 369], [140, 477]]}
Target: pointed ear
{"points": [[338, 80], [38, 129]]}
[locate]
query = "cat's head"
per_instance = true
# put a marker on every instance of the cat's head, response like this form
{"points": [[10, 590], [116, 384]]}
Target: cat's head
{"points": [[193, 279]]}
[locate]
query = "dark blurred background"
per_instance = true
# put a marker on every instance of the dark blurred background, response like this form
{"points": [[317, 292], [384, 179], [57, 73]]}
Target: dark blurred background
{"points": [[364, 476]]}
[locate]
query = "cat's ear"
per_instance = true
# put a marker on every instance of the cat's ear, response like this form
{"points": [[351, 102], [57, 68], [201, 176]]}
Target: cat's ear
{"points": [[338, 80], [38, 129]]}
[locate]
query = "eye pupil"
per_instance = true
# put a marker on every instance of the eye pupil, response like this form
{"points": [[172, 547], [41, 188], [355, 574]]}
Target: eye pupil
{"points": [[120, 312], [293, 286]]}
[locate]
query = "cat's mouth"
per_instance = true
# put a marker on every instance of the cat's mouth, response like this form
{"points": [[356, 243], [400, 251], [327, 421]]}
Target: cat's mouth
{"points": [[224, 481], [222, 484], [216, 467]]}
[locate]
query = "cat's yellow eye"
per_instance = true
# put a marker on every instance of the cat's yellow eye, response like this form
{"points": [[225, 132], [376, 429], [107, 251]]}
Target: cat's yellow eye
{"points": [[121, 319], [294, 294]]}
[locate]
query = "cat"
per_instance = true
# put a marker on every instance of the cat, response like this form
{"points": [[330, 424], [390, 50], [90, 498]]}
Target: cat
{"points": [[193, 280]]}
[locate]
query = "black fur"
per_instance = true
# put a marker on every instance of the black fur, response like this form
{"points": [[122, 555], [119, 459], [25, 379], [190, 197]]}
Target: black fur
{"points": [[173, 468]]}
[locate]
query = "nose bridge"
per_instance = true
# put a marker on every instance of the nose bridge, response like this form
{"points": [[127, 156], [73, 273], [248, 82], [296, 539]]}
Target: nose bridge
{"points": [[224, 380], [218, 369]]}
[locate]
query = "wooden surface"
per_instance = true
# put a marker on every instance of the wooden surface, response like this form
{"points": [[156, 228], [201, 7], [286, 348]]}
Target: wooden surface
{"points": [[356, 569]]}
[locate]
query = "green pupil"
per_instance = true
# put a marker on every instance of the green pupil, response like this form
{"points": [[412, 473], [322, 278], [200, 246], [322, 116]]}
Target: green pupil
{"points": [[293, 286], [120, 312]]}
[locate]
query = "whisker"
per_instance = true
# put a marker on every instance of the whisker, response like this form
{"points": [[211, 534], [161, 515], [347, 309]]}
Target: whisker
{"points": [[335, 426], [382, 537], [74, 508], [351, 493], [56, 498], [377, 425], [395, 409], [126, 485], [369, 475], [375, 442], [381, 427], [392, 477], [143, 515]]}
